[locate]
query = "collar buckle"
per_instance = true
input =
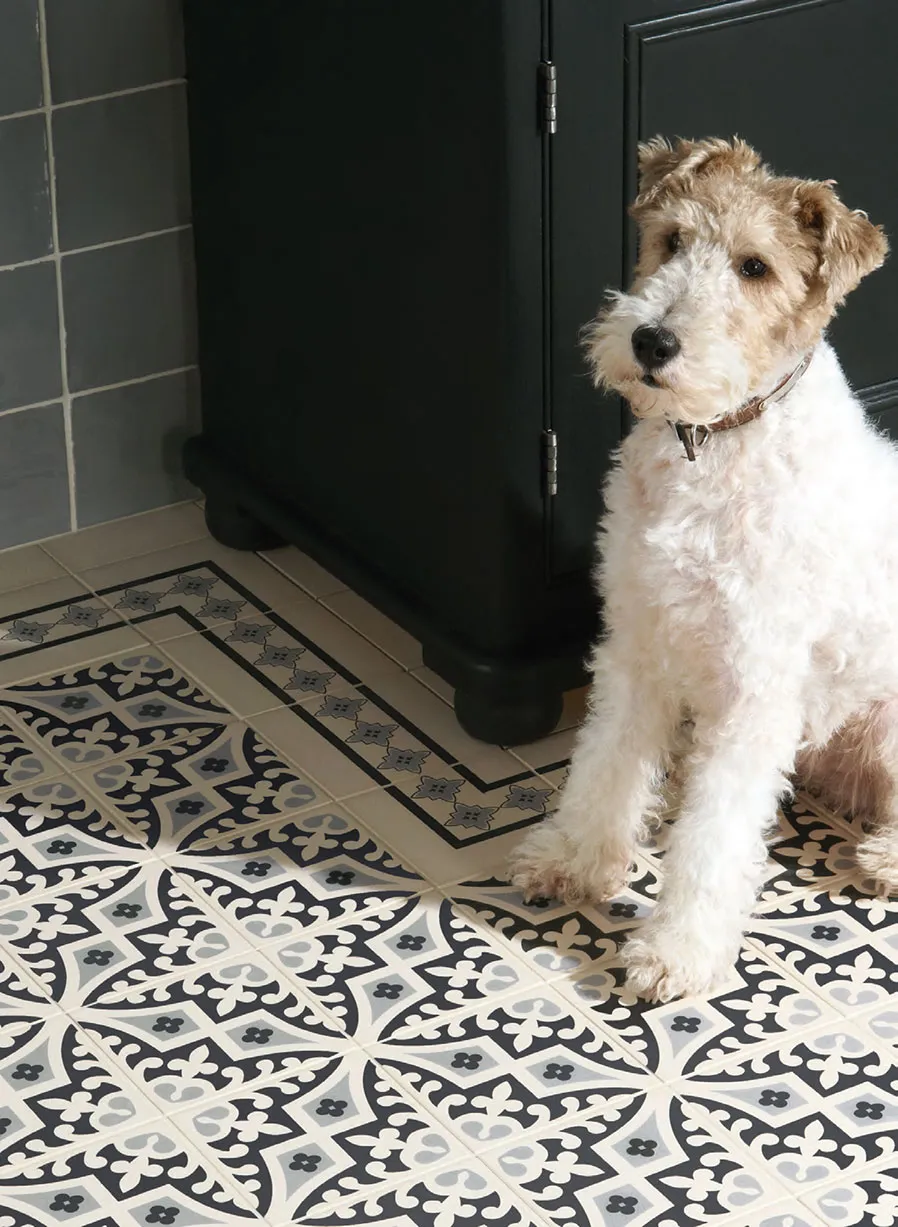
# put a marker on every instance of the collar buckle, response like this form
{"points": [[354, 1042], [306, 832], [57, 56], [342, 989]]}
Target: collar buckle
{"points": [[691, 437]]}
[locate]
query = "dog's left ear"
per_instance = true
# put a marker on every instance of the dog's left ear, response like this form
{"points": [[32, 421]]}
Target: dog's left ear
{"points": [[849, 245]]}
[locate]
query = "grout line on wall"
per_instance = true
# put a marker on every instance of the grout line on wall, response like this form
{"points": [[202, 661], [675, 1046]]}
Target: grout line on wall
{"points": [[78, 251], [57, 260], [106, 387], [77, 102], [127, 383]]}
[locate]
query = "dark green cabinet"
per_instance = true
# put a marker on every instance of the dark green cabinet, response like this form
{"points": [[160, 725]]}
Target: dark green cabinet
{"points": [[395, 257]]}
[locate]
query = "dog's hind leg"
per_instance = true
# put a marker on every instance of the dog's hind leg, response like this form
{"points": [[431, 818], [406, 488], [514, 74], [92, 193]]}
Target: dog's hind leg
{"points": [[585, 849]]}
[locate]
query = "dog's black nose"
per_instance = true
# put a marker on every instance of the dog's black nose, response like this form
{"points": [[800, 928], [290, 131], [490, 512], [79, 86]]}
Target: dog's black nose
{"points": [[653, 346]]}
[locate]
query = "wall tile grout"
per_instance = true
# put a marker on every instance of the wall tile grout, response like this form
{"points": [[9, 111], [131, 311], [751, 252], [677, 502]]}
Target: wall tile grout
{"points": [[57, 260], [77, 102], [78, 251], [106, 387]]}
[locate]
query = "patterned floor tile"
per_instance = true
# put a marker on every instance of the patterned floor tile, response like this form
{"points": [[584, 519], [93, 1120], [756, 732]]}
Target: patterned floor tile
{"points": [[453, 1195], [148, 1176], [22, 759], [840, 942], [809, 1109], [297, 1144], [579, 949], [869, 1200], [53, 612], [218, 1030], [114, 707], [506, 1068], [57, 1090], [392, 972], [217, 782], [100, 939], [647, 1162], [289, 878], [53, 834]]}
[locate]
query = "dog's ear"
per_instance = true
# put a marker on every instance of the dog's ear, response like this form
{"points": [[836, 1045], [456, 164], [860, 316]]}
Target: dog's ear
{"points": [[663, 165], [848, 245]]}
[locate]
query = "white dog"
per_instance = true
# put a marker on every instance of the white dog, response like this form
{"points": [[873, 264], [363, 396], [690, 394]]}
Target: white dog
{"points": [[749, 560]]}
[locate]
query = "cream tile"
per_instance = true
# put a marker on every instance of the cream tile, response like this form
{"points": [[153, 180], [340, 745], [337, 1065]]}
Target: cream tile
{"points": [[304, 571], [59, 657], [434, 682], [219, 676], [420, 847], [140, 534], [185, 577], [377, 627], [25, 566], [339, 641], [430, 714], [556, 748], [296, 735]]}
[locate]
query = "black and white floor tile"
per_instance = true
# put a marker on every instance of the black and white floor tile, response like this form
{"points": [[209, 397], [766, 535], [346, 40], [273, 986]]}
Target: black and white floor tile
{"points": [[258, 963]]}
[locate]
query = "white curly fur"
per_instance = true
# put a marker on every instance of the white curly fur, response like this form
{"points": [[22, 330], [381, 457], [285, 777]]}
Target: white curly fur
{"points": [[755, 590]]}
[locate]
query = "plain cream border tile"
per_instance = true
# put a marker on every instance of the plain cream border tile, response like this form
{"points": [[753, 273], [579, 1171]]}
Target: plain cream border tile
{"points": [[64, 589], [419, 847], [312, 753], [26, 566], [304, 571], [434, 682], [377, 628], [219, 676], [124, 539]]}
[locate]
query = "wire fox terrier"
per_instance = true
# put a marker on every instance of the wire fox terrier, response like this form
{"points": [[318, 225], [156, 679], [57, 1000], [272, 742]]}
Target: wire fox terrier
{"points": [[748, 562]]}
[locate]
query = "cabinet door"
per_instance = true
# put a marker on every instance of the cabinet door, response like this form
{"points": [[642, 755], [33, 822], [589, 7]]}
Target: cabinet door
{"points": [[810, 83]]}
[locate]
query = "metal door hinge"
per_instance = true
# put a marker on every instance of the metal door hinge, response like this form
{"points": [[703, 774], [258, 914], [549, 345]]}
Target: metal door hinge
{"points": [[548, 97], [550, 461]]}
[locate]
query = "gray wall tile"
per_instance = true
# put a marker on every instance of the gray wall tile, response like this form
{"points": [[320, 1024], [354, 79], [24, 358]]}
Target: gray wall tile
{"points": [[21, 87], [99, 46], [34, 489], [130, 310], [30, 365], [128, 446], [26, 231], [122, 166]]}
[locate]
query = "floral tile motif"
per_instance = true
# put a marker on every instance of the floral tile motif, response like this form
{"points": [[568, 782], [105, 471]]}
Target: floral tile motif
{"points": [[218, 1030], [507, 1068], [392, 972], [870, 1200], [842, 944], [146, 1176], [286, 879], [217, 782], [292, 1147], [203, 594], [647, 1162], [582, 947], [808, 1110], [115, 707], [69, 619], [808, 850], [454, 1195], [22, 762], [53, 834], [103, 938], [56, 1092]]}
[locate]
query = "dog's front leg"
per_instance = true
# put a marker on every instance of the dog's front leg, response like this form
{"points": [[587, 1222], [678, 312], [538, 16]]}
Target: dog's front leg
{"points": [[585, 849], [715, 861]]}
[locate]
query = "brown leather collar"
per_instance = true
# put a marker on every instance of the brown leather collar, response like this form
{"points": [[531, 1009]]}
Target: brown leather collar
{"points": [[694, 436]]}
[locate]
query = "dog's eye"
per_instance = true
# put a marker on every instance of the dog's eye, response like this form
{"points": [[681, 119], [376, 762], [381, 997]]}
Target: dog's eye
{"points": [[674, 241], [753, 268]]}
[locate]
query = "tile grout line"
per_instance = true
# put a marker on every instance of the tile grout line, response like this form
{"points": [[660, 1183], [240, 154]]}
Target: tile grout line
{"points": [[60, 254], [57, 262], [77, 102], [109, 387]]}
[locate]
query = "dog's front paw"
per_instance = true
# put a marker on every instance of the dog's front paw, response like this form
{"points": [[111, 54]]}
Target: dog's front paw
{"points": [[877, 856], [546, 865], [664, 964]]}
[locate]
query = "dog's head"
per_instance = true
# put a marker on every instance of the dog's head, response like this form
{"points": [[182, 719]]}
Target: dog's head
{"points": [[739, 272]]}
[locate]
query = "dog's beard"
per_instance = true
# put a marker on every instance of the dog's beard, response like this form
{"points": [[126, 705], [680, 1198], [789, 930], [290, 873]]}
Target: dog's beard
{"points": [[707, 379]]}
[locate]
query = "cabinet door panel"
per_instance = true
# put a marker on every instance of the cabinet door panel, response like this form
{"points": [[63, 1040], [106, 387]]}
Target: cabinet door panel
{"points": [[809, 83]]}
